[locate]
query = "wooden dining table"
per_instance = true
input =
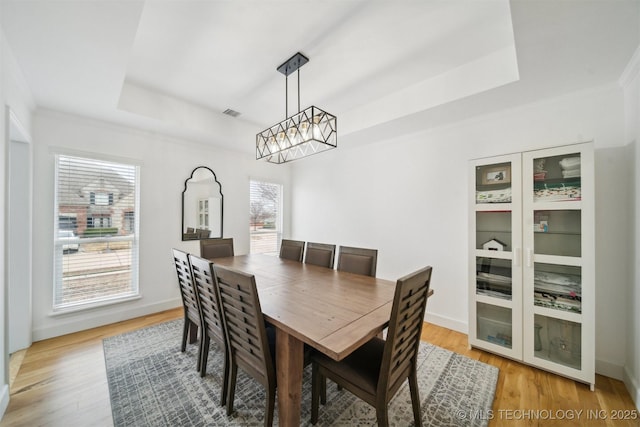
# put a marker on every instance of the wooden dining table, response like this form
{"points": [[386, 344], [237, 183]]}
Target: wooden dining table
{"points": [[332, 311]]}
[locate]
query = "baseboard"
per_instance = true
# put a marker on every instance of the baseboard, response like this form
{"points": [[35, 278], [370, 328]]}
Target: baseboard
{"points": [[447, 322], [610, 370], [82, 322], [633, 386], [4, 399]]}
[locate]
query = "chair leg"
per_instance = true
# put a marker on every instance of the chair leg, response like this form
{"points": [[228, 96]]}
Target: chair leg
{"points": [[381, 414], [225, 380], [271, 403], [316, 389], [323, 389], [231, 387], [203, 355], [185, 332], [193, 332], [415, 398]]}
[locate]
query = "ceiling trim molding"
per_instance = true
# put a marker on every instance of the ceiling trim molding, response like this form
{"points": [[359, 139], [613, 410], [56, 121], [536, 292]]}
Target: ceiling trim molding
{"points": [[631, 71]]}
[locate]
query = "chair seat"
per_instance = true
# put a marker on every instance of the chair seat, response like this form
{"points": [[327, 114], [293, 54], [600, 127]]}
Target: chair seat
{"points": [[361, 368]]}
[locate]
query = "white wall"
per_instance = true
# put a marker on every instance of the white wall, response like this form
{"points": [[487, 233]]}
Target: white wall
{"points": [[630, 81], [165, 164], [408, 197]]}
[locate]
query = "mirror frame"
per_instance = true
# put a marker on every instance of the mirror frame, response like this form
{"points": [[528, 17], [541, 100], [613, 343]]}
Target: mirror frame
{"points": [[186, 182]]}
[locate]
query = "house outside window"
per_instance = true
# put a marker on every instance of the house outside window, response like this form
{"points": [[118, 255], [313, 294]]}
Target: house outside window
{"points": [[97, 262], [265, 217]]}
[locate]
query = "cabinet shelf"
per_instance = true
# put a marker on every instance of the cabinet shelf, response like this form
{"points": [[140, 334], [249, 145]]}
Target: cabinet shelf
{"points": [[559, 205], [499, 302], [494, 254], [557, 259], [558, 314]]}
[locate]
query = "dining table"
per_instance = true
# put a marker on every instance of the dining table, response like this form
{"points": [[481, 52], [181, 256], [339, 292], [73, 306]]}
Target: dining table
{"points": [[333, 312]]}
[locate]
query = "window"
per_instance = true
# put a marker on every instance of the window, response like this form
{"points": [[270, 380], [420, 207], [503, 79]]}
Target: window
{"points": [[67, 221], [98, 261], [203, 213], [129, 222], [265, 217], [99, 221], [101, 199]]}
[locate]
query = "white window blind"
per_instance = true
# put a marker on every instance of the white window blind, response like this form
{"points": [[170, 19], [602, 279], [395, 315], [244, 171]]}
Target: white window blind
{"points": [[96, 232], [265, 213]]}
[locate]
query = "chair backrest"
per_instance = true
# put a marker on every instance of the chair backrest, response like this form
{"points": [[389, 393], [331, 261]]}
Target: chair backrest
{"points": [[405, 327], [358, 260], [216, 248], [320, 254], [207, 295], [292, 249], [244, 323], [187, 290], [203, 233]]}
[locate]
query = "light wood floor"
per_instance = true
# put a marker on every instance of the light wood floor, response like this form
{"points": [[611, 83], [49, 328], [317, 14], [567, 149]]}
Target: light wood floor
{"points": [[62, 382]]}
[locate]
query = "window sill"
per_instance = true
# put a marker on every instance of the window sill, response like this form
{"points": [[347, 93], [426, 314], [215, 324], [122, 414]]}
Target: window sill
{"points": [[90, 306]]}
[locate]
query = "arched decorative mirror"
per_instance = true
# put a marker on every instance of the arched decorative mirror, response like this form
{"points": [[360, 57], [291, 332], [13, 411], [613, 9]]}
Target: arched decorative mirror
{"points": [[202, 205]]}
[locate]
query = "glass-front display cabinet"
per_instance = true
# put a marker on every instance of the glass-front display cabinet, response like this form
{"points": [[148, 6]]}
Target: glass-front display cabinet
{"points": [[532, 256]]}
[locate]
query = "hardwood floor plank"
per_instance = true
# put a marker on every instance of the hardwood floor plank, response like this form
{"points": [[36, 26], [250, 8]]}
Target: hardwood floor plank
{"points": [[62, 382]]}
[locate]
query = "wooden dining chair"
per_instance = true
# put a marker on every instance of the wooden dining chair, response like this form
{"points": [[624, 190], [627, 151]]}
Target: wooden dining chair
{"points": [[320, 254], [246, 335], [358, 260], [292, 249], [203, 233], [216, 248], [211, 318], [375, 371], [192, 320]]}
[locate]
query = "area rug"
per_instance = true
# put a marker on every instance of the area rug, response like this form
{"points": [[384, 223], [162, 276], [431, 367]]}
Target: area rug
{"points": [[151, 383]]}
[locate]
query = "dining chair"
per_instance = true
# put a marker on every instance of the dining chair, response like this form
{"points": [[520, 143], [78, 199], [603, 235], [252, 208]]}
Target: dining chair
{"points": [[358, 260], [211, 318], [203, 233], [246, 334], [192, 320], [216, 248], [292, 249], [320, 254], [375, 371]]}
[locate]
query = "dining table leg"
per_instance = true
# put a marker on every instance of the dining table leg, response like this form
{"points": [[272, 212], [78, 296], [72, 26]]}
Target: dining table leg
{"points": [[289, 366]]}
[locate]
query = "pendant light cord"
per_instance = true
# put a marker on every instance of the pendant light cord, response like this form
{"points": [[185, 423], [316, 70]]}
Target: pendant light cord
{"points": [[298, 90]]}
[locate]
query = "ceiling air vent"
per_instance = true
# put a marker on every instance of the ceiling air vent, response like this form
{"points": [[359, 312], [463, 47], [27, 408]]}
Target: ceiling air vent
{"points": [[230, 112]]}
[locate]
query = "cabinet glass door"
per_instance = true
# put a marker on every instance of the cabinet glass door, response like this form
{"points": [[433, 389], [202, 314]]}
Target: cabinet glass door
{"points": [[558, 291], [495, 267]]}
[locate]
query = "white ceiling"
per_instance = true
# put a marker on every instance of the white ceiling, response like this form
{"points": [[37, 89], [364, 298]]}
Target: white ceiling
{"points": [[173, 66]]}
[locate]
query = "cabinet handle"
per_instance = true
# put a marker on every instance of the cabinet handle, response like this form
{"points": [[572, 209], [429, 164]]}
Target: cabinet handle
{"points": [[529, 257], [517, 256]]}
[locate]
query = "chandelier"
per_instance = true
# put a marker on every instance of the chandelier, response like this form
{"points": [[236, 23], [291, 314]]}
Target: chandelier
{"points": [[307, 132]]}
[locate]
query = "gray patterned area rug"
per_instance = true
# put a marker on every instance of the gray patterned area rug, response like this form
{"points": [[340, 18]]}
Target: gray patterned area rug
{"points": [[151, 383]]}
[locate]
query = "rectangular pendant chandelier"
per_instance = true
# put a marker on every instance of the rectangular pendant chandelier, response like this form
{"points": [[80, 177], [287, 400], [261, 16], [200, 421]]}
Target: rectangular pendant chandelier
{"points": [[307, 132]]}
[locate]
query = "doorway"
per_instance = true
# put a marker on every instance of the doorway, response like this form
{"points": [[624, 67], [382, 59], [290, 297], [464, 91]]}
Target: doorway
{"points": [[19, 236]]}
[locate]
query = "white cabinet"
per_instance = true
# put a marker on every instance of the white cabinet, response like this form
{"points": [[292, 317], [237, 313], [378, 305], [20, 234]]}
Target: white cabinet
{"points": [[532, 272]]}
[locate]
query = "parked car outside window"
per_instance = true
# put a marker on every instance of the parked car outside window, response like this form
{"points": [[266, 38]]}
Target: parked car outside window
{"points": [[67, 237]]}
